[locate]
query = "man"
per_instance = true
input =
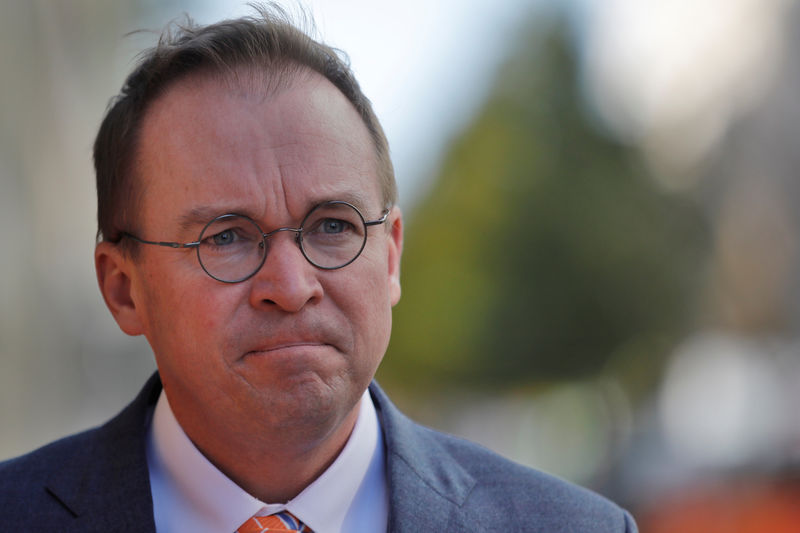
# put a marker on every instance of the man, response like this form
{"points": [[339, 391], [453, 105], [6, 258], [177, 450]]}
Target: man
{"points": [[248, 229]]}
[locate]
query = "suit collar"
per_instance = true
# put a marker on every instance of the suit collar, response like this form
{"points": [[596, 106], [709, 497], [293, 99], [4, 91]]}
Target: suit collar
{"points": [[420, 471]]}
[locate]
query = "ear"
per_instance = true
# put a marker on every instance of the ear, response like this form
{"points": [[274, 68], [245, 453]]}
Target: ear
{"points": [[114, 278], [395, 238]]}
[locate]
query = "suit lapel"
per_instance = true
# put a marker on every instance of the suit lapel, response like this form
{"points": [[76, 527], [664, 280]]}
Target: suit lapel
{"points": [[105, 484], [427, 486]]}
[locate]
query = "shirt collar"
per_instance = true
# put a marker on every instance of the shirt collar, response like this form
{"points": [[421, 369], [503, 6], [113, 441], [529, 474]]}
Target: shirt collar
{"points": [[191, 494]]}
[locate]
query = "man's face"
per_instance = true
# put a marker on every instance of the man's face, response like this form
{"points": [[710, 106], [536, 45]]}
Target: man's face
{"points": [[294, 346]]}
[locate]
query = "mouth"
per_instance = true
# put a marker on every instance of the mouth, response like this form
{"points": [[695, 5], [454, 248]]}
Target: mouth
{"points": [[288, 348], [290, 341]]}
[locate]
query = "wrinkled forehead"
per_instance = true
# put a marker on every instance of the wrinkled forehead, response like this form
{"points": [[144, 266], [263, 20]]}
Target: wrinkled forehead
{"points": [[244, 143], [249, 83], [187, 98]]}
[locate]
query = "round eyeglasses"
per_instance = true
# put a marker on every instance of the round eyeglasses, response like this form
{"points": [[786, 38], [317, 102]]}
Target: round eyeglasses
{"points": [[232, 248]]}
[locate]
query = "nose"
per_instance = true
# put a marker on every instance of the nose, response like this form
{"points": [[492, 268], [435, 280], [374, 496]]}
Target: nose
{"points": [[286, 280]]}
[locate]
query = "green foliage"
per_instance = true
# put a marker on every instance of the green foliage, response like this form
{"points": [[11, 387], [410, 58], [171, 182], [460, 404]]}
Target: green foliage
{"points": [[543, 251]]}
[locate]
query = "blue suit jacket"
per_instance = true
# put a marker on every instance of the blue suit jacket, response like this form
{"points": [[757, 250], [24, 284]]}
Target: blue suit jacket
{"points": [[98, 481]]}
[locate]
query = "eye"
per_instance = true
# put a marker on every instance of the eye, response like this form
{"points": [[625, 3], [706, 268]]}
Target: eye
{"points": [[229, 235], [234, 235], [334, 225], [224, 237], [331, 222]]}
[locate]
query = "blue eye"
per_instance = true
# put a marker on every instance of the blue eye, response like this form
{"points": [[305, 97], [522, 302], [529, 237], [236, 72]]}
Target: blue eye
{"points": [[224, 237], [333, 225]]}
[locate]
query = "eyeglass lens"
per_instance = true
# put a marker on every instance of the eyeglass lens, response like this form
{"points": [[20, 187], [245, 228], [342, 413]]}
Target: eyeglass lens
{"points": [[232, 247]]}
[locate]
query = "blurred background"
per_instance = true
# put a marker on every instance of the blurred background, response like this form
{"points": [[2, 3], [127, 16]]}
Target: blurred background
{"points": [[601, 272]]}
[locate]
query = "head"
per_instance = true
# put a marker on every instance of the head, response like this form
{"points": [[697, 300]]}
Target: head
{"points": [[253, 118], [268, 46]]}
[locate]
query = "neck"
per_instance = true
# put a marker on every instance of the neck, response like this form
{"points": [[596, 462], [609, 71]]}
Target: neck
{"points": [[276, 471], [271, 464]]}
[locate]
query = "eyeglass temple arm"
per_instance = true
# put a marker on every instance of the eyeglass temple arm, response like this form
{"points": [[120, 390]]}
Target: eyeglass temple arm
{"points": [[378, 221], [162, 243]]}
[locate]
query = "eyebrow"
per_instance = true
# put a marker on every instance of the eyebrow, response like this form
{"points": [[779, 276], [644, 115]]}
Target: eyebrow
{"points": [[199, 216], [353, 197], [202, 215]]}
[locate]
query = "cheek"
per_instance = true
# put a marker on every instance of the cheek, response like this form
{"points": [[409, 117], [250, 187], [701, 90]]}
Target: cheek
{"points": [[184, 315], [206, 315], [372, 307]]}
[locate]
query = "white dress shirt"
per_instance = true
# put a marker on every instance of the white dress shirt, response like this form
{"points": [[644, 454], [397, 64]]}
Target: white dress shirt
{"points": [[191, 494]]}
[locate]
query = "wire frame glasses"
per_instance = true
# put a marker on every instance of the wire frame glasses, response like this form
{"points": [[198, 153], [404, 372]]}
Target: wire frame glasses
{"points": [[232, 248]]}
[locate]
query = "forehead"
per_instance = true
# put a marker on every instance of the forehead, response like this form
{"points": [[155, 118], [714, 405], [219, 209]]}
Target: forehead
{"points": [[243, 146]]}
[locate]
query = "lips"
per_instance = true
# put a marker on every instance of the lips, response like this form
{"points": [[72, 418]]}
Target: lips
{"points": [[283, 335], [284, 346]]}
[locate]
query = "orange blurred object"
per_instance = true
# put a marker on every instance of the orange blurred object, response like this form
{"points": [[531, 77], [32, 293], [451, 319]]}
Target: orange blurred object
{"points": [[740, 506]]}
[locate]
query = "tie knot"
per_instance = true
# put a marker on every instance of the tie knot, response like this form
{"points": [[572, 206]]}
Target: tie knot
{"points": [[283, 521]]}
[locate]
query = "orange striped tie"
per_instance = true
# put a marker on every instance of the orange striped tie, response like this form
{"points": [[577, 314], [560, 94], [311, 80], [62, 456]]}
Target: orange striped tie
{"points": [[284, 521]]}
